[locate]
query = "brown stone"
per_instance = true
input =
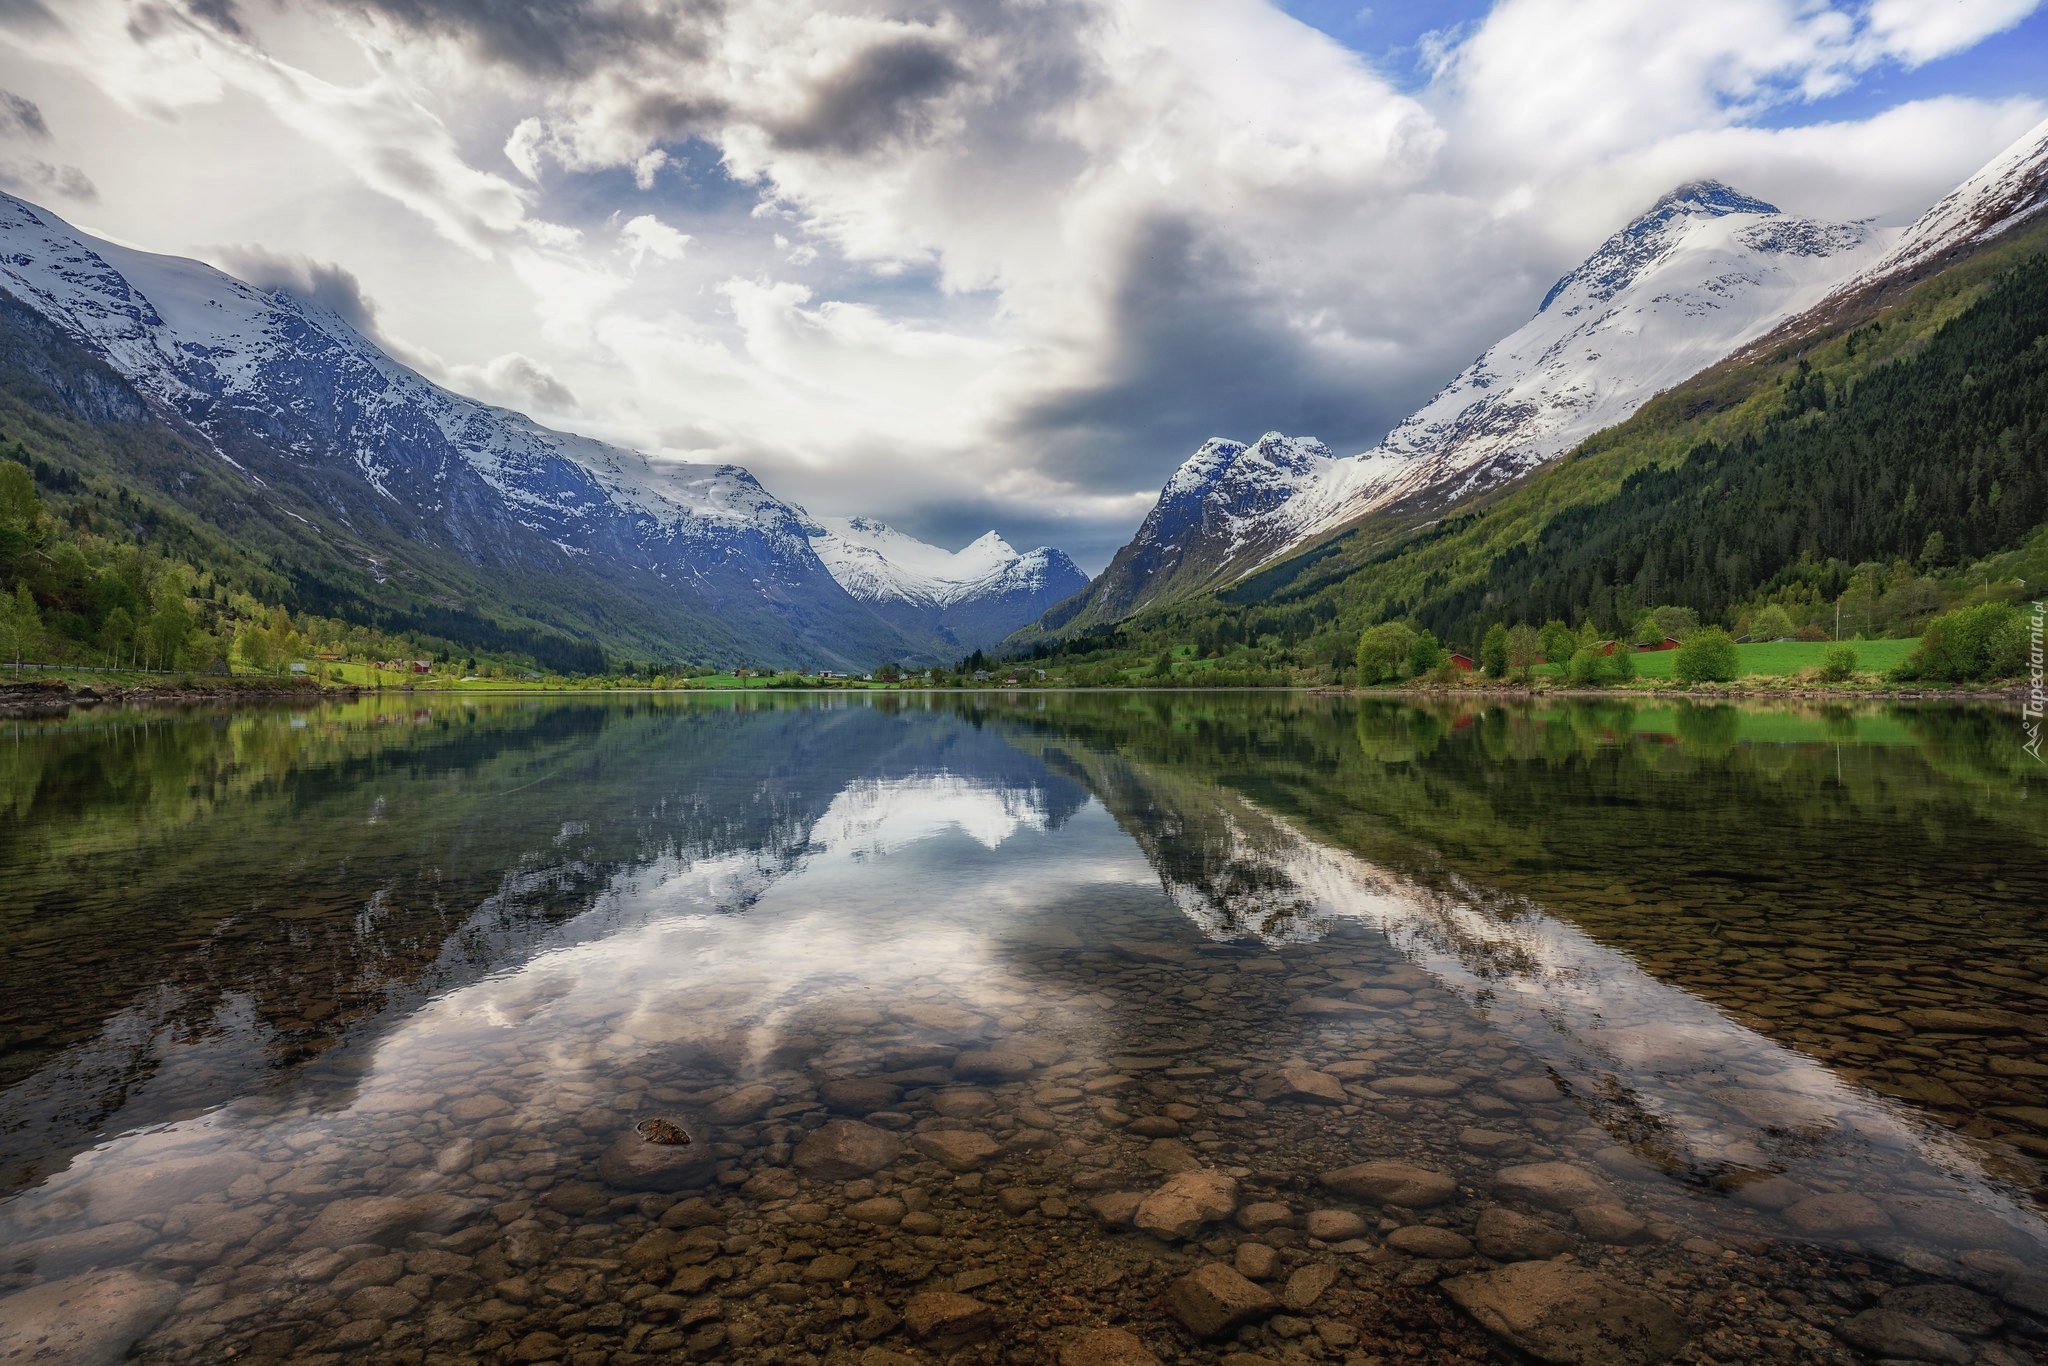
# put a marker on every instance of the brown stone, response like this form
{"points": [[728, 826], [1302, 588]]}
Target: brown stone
{"points": [[1420, 1240], [842, 1149], [1257, 1261], [1185, 1203], [470, 1109], [1506, 1236], [1307, 1284], [1553, 1185], [743, 1106], [1894, 1336], [829, 1269], [1561, 1312], [576, 1198], [88, 1320], [1530, 1090], [1262, 1215], [1301, 1086], [950, 1317], [1106, 1347], [1607, 1222], [1117, 1208], [960, 1150], [1335, 1225], [859, 1095], [1171, 1156], [771, 1183], [886, 1210], [1427, 1088], [1214, 1299], [1153, 1126], [662, 1153], [1392, 1183]]}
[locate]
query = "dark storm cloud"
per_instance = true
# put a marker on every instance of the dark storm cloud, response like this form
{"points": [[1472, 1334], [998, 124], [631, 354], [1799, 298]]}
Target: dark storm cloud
{"points": [[1201, 349], [558, 38], [316, 282], [35, 178], [222, 14], [879, 96], [21, 118]]}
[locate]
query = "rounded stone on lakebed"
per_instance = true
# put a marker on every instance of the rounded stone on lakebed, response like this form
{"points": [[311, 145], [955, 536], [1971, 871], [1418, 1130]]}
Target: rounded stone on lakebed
{"points": [[1421, 1240], [844, 1148], [661, 1153], [1392, 1183]]}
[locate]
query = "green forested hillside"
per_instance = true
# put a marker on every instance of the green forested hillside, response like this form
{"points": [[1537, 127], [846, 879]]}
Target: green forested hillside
{"points": [[125, 540], [1889, 464]]}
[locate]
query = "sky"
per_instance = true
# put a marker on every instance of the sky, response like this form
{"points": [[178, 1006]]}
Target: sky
{"points": [[962, 264]]}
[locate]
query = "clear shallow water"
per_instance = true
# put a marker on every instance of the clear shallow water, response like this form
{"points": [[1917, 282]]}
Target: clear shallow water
{"points": [[317, 1026]]}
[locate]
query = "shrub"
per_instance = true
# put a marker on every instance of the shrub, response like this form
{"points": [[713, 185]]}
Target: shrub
{"points": [[1523, 647], [1707, 657], [1424, 654], [1771, 624], [1676, 622], [1837, 663], [1493, 651], [1584, 671], [1985, 641], [1557, 641], [1382, 650], [1810, 632]]}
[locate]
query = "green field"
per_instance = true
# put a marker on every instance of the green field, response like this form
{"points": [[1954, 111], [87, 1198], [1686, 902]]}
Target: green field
{"points": [[1782, 658]]}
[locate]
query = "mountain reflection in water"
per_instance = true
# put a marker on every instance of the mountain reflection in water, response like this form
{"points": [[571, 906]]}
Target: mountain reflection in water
{"points": [[1765, 983]]}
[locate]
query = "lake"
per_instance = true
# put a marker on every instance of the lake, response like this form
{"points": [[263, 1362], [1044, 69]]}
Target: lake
{"points": [[1020, 1027]]}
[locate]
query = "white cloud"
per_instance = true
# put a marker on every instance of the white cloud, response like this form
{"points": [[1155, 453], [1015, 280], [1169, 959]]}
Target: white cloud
{"points": [[647, 236], [1040, 249]]}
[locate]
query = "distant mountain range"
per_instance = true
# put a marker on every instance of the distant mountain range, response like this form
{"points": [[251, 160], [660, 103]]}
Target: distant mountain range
{"points": [[476, 508], [969, 598], [1705, 273]]}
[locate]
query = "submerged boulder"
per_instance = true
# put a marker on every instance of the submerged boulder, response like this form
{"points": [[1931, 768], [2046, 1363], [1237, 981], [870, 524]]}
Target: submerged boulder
{"points": [[657, 1154]]}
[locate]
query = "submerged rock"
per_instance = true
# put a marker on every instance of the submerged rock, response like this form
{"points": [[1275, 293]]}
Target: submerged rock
{"points": [[1560, 1312], [1185, 1203], [658, 1154], [89, 1320], [1214, 1299], [844, 1148], [1392, 1183]]}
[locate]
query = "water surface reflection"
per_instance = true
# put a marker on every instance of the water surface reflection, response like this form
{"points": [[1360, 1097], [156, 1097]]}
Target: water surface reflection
{"points": [[326, 1034]]}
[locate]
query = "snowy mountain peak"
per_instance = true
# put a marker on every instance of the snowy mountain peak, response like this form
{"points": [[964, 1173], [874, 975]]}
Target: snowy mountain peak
{"points": [[1703, 271], [1661, 229], [972, 597], [2011, 189]]}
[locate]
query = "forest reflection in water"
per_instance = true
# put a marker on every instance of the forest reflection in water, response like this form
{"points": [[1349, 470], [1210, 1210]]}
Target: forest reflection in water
{"points": [[1764, 979]]}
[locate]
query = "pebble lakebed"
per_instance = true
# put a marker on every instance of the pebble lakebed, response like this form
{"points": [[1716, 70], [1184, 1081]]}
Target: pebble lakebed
{"points": [[948, 1176]]}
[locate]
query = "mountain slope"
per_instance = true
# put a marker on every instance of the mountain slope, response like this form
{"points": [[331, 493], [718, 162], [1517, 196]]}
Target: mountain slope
{"points": [[402, 476], [1914, 400], [1702, 272], [964, 599]]}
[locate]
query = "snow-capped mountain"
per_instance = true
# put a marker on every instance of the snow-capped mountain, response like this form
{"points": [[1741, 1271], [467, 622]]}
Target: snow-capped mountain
{"points": [[1225, 499], [1705, 270], [971, 597], [293, 395], [2011, 191]]}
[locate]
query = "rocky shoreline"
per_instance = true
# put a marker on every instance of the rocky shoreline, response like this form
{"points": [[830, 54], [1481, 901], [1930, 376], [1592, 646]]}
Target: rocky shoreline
{"points": [[53, 699]]}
